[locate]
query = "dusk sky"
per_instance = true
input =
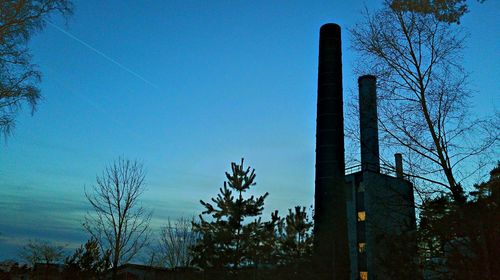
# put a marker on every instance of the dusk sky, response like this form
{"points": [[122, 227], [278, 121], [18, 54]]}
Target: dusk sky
{"points": [[186, 87]]}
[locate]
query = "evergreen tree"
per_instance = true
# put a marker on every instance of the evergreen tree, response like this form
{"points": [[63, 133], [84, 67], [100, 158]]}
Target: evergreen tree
{"points": [[229, 239], [295, 241], [263, 243], [461, 241], [87, 262]]}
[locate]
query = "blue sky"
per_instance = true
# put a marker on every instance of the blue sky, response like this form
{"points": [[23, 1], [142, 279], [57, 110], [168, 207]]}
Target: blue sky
{"points": [[186, 87]]}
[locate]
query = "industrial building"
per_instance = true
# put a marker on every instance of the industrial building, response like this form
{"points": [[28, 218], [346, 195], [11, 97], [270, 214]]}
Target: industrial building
{"points": [[358, 215]]}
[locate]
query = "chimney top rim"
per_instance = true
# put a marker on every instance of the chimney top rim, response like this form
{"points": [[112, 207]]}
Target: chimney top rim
{"points": [[367, 77], [331, 29]]}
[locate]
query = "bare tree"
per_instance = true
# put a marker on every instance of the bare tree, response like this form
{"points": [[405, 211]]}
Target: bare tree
{"points": [[38, 251], [19, 78], [423, 94], [118, 221], [176, 239]]}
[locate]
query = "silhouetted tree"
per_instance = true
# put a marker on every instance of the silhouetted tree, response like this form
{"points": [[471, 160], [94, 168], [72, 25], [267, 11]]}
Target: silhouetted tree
{"points": [[295, 237], [423, 93], [262, 243], [40, 251], [399, 259], [87, 262], [461, 241], [5, 265], [19, 78], [10, 269], [176, 239], [118, 222], [229, 239], [449, 11]]}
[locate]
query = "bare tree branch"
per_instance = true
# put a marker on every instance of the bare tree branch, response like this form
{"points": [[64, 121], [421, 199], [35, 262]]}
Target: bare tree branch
{"points": [[423, 93], [19, 78], [118, 222]]}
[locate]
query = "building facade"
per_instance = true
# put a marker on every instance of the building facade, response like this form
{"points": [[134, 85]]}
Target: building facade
{"points": [[365, 220]]}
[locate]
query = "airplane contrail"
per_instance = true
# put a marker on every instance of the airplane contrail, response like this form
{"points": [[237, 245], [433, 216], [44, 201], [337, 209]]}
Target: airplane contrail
{"points": [[102, 54]]}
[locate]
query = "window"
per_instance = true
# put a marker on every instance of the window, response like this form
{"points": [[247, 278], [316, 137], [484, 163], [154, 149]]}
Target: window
{"points": [[361, 216], [361, 247], [363, 275]]}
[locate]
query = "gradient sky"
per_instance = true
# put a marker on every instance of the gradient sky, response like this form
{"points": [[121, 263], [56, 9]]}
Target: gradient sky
{"points": [[186, 87]]}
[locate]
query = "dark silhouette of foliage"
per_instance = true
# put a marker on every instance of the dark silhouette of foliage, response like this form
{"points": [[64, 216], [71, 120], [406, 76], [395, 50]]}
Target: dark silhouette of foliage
{"points": [[119, 223], [423, 94], [19, 78], [295, 237], [461, 241], [449, 11], [39, 251], [229, 239], [87, 262], [262, 242], [173, 248], [10, 269], [236, 242], [399, 259]]}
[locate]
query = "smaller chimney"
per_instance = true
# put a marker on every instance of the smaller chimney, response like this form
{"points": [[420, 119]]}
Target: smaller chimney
{"points": [[399, 165], [368, 123]]}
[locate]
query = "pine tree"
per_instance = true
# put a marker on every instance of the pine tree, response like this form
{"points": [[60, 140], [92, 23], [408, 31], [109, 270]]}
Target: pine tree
{"points": [[87, 262], [295, 241], [464, 238], [229, 240]]}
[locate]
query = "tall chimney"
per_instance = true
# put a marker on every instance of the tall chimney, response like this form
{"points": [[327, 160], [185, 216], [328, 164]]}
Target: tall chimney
{"points": [[399, 165], [368, 123], [330, 228]]}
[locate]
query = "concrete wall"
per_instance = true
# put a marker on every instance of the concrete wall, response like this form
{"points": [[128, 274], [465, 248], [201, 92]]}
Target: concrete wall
{"points": [[388, 204]]}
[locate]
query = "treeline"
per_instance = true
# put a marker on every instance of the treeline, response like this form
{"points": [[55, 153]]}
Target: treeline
{"points": [[231, 239], [454, 239], [460, 240]]}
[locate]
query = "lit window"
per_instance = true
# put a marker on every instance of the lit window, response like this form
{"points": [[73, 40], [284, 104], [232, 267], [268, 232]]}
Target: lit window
{"points": [[361, 247], [363, 275], [361, 216]]}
